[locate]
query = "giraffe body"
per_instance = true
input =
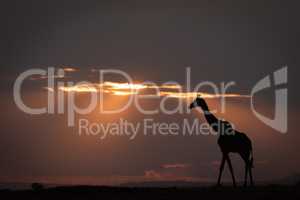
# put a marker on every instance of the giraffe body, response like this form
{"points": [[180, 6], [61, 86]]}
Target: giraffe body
{"points": [[229, 141]]}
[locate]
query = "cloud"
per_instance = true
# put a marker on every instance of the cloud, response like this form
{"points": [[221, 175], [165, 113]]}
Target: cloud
{"points": [[154, 175], [170, 172], [175, 166], [64, 68], [41, 77], [126, 89], [70, 69]]}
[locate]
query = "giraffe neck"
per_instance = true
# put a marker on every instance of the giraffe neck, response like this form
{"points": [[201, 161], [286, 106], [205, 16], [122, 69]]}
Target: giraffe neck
{"points": [[210, 118]]}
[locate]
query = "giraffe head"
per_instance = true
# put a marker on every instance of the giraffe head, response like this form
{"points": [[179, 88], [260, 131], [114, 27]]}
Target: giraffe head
{"points": [[198, 102]]}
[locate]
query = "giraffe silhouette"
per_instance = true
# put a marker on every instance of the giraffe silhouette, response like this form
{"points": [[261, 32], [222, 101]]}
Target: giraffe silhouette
{"points": [[229, 140]]}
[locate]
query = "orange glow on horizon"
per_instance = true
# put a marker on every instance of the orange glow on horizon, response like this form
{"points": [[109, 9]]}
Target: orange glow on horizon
{"points": [[126, 89], [69, 69]]}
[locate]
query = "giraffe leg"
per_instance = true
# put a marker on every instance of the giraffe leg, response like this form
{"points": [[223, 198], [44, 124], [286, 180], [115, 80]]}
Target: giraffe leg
{"points": [[246, 174], [231, 170], [250, 174], [245, 156], [221, 169]]}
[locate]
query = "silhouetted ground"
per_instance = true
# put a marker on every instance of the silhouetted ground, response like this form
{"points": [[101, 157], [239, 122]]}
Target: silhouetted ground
{"points": [[99, 192]]}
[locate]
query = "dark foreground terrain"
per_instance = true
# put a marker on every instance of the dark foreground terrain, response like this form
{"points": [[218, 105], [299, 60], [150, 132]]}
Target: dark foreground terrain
{"points": [[99, 192]]}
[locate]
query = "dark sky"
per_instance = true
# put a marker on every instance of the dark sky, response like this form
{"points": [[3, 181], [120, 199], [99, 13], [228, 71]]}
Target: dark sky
{"points": [[220, 40], [241, 41]]}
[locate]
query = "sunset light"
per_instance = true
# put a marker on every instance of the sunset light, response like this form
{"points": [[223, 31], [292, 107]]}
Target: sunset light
{"points": [[126, 89], [146, 99]]}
